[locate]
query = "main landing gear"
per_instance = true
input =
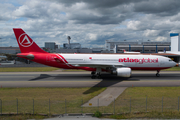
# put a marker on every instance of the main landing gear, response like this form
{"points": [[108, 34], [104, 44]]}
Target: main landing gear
{"points": [[96, 74], [157, 74]]}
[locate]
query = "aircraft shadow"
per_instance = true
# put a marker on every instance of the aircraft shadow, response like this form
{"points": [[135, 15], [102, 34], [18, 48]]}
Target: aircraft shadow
{"points": [[42, 76], [107, 81], [85, 77], [66, 77]]}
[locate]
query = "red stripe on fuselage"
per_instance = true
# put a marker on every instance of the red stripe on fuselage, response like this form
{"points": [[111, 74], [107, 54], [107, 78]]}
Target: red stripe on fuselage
{"points": [[64, 60]]}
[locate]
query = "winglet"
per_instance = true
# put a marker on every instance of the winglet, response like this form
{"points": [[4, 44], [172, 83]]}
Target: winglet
{"points": [[26, 44]]}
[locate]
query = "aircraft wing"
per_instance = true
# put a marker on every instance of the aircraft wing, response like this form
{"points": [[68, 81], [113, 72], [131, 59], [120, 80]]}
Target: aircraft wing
{"points": [[101, 65], [93, 65]]}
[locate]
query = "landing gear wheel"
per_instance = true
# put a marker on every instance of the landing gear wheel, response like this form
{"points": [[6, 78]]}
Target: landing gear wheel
{"points": [[96, 74], [157, 75], [99, 76], [93, 73]]}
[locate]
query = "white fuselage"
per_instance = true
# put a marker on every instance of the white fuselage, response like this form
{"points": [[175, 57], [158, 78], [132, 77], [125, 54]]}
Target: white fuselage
{"points": [[132, 61]]}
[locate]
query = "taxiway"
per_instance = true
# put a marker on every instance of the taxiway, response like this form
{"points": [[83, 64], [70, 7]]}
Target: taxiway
{"points": [[83, 79]]}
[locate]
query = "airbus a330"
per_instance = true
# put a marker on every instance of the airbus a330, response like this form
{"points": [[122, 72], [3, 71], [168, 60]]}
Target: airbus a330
{"points": [[119, 64]]}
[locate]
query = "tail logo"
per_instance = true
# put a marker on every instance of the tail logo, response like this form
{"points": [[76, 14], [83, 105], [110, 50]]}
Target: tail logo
{"points": [[24, 40]]}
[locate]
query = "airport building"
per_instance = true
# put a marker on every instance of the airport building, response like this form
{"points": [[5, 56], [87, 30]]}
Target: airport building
{"points": [[82, 50], [72, 46], [143, 47], [50, 45], [9, 50]]}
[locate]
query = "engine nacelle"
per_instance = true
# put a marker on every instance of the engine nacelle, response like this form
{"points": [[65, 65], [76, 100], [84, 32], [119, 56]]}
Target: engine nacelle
{"points": [[123, 72]]}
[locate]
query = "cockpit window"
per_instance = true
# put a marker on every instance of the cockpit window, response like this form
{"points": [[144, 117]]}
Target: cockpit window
{"points": [[170, 60]]}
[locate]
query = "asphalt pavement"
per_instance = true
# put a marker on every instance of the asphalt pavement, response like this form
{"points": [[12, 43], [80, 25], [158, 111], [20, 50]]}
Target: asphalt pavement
{"points": [[83, 79]]}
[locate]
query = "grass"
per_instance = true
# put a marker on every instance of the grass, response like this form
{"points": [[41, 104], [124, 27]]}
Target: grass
{"points": [[173, 69], [133, 100], [41, 96], [28, 69], [130, 104], [150, 92], [46, 93]]}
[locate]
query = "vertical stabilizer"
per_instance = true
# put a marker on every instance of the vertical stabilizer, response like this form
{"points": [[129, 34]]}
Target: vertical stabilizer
{"points": [[26, 44]]}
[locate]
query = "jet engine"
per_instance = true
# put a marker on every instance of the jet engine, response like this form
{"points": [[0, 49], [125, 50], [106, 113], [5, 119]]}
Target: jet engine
{"points": [[123, 72]]}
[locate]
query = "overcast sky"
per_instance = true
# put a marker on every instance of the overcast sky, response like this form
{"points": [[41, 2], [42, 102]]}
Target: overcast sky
{"points": [[89, 22]]}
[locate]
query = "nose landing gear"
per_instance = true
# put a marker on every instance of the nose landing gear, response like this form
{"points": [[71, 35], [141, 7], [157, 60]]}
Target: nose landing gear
{"points": [[157, 74]]}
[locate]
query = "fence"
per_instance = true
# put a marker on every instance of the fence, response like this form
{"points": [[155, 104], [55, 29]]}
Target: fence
{"points": [[146, 104]]}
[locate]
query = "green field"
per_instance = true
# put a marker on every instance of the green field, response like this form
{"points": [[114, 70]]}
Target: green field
{"points": [[131, 100], [147, 102], [72, 98], [173, 69]]}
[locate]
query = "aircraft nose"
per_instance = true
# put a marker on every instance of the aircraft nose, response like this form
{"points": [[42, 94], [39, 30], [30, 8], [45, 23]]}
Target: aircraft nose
{"points": [[174, 64]]}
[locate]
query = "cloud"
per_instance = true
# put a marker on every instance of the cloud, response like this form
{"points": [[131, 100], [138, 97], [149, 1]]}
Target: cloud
{"points": [[150, 33], [5, 12], [90, 22], [158, 7], [161, 39]]}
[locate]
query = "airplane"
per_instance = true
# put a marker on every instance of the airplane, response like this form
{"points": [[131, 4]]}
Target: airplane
{"points": [[119, 64]]}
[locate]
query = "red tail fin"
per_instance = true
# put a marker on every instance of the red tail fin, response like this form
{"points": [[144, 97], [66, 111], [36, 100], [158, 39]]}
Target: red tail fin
{"points": [[26, 44]]}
